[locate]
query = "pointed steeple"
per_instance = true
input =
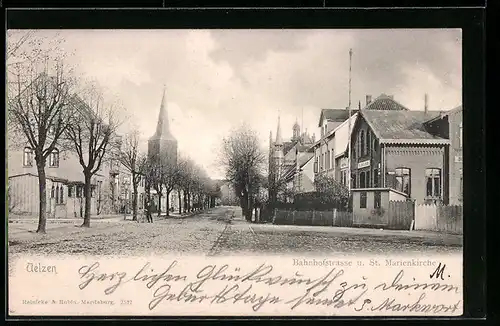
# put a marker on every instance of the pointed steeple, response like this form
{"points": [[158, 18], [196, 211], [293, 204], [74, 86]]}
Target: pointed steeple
{"points": [[163, 125], [279, 140]]}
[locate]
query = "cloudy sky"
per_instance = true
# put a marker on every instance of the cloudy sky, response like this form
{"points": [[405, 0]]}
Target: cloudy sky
{"points": [[217, 79]]}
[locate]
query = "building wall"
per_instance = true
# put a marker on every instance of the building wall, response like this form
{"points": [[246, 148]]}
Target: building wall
{"points": [[324, 156], [417, 159], [306, 177], [455, 120], [370, 215], [367, 216]]}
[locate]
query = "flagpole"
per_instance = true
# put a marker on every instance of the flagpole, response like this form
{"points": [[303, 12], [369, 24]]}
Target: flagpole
{"points": [[349, 132]]}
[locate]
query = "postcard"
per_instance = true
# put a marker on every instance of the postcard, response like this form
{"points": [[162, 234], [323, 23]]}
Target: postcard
{"points": [[235, 172]]}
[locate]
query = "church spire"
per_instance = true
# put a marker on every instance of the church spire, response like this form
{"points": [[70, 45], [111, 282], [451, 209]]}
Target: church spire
{"points": [[163, 126], [279, 140]]}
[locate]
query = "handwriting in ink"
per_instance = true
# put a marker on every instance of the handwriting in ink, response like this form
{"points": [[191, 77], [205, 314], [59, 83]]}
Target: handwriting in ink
{"points": [[398, 285], [439, 272], [89, 273]]}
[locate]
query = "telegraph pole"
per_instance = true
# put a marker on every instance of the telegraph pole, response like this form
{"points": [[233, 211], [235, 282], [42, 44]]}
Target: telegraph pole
{"points": [[349, 122]]}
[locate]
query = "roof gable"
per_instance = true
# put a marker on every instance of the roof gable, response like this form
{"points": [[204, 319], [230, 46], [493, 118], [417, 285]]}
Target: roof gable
{"points": [[385, 102], [400, 126]]}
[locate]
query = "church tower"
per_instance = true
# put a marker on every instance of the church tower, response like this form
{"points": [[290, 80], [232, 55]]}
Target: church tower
{"points": [[278, 156], [162, 145]]}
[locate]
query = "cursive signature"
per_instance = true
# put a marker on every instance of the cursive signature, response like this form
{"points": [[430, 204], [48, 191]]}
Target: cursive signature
{"points": [[398, 285]]}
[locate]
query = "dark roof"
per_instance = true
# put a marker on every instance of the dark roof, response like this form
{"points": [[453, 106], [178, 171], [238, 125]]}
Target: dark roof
{"points": [[401, 126], [337, 115], [444, 114], [384, 102]]}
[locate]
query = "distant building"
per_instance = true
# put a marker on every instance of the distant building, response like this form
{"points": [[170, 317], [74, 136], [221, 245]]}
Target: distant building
{"points": [[287, 158], [227, 194]]}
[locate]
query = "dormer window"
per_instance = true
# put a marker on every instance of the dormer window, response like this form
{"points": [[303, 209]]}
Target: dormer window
{"points": [[54, 158], [28, 157]]}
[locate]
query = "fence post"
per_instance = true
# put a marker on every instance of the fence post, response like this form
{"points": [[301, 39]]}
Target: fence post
{"points": [[334, 217], [274, 215], [293, 217]]}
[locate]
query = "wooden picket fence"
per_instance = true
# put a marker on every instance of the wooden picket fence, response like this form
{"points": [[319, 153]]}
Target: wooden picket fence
{"points": [[443, 218], [400, 215]]}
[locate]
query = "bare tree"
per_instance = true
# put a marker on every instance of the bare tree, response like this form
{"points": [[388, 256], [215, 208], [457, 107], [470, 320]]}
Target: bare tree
{"points": [[93, 135], [242, 160], [15, 41], [39, 93], [135, 163]]}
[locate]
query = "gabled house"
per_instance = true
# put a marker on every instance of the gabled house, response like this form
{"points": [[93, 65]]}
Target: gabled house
{"points": [[407, 151]]}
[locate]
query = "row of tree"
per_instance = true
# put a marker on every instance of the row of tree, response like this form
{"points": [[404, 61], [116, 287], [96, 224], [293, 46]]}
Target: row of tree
{"points": [[195, 190], [50, 108]]}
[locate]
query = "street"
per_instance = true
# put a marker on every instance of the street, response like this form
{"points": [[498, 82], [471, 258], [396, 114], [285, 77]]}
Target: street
{"points": [[211, 233]]}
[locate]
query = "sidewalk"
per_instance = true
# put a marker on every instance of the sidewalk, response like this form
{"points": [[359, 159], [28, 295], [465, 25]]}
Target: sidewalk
{"points": [[93, 218]]}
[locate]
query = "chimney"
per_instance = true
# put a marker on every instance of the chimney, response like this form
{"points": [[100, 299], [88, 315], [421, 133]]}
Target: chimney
{"points": [[368, 99], [426, 103]]}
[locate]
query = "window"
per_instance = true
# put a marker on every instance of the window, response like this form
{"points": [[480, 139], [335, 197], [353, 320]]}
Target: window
{"points": [[374, 141], [362, 199], [316, 165], [460, 133], [52, 191], [362, 180], [376, 199], [78, 191], [361, 147], [61, 195], [28, 157], [402, 176], [70, 188], [375, 178], [368, 143], [57, 195], [54, 158], [433, 183], [353, 181], [368, 180]]}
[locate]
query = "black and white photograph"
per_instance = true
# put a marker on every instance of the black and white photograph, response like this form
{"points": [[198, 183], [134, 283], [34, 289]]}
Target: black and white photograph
{"points": [[319, 145]]}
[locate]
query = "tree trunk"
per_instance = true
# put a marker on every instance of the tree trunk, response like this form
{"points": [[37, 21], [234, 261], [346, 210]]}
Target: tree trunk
{"points": [[88, 198], [189, 202], [42, 189], [134, 203], [168, 202], [159, 203], [180, 201], [184, 195]]}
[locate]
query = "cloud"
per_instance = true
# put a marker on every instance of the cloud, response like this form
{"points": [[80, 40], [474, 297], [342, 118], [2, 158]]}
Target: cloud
{"points": [[218, 79]]}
